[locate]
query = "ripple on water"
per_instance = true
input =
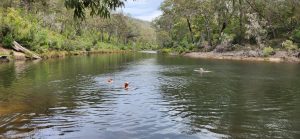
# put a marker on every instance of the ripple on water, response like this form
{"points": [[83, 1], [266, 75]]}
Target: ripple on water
{"points": [[164, 101]]}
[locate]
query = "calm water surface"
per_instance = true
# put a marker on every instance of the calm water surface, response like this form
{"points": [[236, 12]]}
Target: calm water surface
{"points": [[70, 98]]}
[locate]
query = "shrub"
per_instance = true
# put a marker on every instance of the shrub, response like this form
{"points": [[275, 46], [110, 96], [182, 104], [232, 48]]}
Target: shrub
{"points": [[181, 49], [267, 51], [227, 38], [296, 35], [191, 47], [289, 45], [7, 41], [166, 50], [69, 45], [5, 30]]}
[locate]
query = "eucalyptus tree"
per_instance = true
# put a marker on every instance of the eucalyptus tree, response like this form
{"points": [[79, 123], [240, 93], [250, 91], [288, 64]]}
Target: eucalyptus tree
{"points": [[239, 21], [80, 7], [96, 7]]}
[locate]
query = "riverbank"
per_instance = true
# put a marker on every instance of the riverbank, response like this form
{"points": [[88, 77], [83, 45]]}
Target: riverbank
{"points": [[279, 56], [7, 55]]}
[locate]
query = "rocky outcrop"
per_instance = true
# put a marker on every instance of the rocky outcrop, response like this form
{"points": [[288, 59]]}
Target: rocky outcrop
{"points": [[225, 47], [296, 54]]}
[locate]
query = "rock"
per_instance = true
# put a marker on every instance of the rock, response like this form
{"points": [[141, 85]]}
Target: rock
{"points": [[253, 53], [239, 53], [220, 48], [207, 48], [4, 59], [296, 54], [223, 48], [281, 54], [19, 55]]}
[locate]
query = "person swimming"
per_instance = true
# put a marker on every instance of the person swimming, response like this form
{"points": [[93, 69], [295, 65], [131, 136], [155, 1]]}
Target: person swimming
{"points": [[201, 70], [110, 80], [126, 85]]}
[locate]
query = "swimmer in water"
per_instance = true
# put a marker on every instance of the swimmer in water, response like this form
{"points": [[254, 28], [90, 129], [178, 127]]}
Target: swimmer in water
{"points": [[201, 70], [110, 80], [126, 85]]}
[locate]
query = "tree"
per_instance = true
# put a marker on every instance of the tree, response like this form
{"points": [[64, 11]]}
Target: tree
{"points": [[96, 7], [214, 22]]}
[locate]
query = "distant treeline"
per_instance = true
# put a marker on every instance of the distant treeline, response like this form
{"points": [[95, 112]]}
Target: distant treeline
{"points": [[228, 24]]}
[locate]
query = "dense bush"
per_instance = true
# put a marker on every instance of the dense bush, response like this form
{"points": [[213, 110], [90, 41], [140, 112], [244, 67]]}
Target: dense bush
{"points": [[32, 33], [267, 51], [166, 50], [296, 35], [289, 45], [7, 41], [5, 36]]}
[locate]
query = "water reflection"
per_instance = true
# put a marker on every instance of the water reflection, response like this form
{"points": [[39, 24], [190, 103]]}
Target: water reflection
{"points": [[7, 72], [70, 98], [33, 94], [239, 101]]}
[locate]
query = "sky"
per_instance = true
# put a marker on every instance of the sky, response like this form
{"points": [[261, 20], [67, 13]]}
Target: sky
{"points": [[143, 9]]}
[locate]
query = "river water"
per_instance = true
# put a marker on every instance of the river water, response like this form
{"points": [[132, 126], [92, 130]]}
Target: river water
{"points": [[70, 98]]}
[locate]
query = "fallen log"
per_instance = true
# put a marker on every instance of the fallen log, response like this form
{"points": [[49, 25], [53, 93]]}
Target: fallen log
{"points": [[19, 48]]}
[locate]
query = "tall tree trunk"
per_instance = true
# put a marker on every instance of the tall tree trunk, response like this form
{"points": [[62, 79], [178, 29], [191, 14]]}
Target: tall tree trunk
{"points": [[125, 40], [62, 27], [109, 36], [190, 29], [274, 33], [102, 36], [208, 35], [241, 32], [208, 30]]}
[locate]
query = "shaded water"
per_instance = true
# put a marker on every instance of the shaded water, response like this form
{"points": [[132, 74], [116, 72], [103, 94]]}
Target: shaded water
{"points": [[70, 98]]}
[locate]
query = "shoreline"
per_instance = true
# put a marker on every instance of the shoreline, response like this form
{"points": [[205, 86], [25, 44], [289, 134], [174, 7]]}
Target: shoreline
{"points": [[61, 54], [9, 55], [240, 56]]}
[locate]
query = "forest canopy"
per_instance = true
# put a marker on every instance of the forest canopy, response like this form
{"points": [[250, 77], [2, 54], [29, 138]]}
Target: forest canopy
{"points": [[70, 25], [211, 24], [185, 25]]}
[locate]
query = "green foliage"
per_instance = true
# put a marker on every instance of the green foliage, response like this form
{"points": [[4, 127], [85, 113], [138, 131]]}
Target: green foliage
{"points": [[7, 41], [227, 38], [289, 45], [226, 21], [97, 7], [166, 50], [50, 32], [267, 51], [6, 37], [296, 35], [181, 49]]}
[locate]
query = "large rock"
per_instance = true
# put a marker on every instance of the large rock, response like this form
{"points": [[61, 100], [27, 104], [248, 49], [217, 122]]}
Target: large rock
{"points": [[281, 54], [223, 48], [19, 55], [207, 48], [4, 59], [4, 55], [253, 53], [296, 54]]}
